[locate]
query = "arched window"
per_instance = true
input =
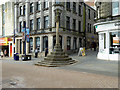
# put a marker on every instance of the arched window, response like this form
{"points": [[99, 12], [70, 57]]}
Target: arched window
{"points": [[45, 42]]}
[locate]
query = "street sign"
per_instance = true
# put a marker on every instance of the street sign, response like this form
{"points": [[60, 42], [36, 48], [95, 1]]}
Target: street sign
{"points": [[23, 30]]}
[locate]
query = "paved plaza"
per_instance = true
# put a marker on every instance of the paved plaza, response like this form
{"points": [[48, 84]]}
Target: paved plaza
{"points": [[88, 72]]}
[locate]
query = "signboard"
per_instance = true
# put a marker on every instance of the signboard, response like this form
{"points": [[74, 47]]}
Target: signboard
{"points": [[116, 40], [4, 41]]}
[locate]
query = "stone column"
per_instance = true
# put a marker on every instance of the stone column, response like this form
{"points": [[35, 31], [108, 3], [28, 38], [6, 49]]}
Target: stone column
{"points": [[16, 15], [50, 14], [78, 43], [50, 41], [64, 42], [34, 15], [53, 15], [34, 43], [107, 42], [41, 43], [57, 33], [42, 16], [27, 48], [18, 46]]}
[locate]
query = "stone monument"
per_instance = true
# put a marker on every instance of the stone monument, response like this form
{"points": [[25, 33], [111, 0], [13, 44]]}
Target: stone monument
{"points": [[57, 57]]}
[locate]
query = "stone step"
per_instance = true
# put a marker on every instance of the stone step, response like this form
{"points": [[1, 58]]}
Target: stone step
{"points": [[57, 59], [57, 56], [55, 63]]}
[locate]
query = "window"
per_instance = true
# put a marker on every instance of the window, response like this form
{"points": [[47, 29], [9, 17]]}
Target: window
{"points": [[80, 42], [75, 43], [38, 23], [37, 40], [20, 26], [38, 6], [94, 15], [115, 8], [57, 2], [79, 10], [74, 7], [24, 24], [94, 30], [68, 5], [20, 10], [79, 26], [31, 8], [88, 27], [31, 45], [31, 25], [45, 42], [24, 10], [68, 23], [46, 22], [89, 13], [46, 4], [74, 24]]}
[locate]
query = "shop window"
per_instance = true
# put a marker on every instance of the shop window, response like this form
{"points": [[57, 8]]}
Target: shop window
{"points": [[37, 40], [68, 43], [114, 42]]}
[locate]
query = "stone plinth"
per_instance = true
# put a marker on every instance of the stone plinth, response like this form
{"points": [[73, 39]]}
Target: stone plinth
{"points": [[56, 58]]}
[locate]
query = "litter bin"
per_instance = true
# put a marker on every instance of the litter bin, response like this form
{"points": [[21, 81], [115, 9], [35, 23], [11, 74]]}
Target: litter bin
{"points": [[16, 56]]}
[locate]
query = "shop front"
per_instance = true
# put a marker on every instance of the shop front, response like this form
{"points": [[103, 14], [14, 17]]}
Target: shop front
{"points": [[109, 40], [6, 45]]}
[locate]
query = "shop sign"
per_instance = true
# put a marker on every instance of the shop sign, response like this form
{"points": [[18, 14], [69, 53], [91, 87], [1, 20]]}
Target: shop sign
{"points": [[116, 40], [3, 41]]}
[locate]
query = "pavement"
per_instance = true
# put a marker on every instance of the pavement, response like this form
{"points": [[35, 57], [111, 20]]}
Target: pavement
{"points": [[88, 72]]}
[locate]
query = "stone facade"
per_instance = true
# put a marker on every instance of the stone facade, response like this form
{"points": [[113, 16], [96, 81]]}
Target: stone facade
{"points": [[70, 39], [6, 19]]}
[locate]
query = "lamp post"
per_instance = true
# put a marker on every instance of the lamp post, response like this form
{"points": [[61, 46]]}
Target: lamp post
{"points": [[57, 57]]}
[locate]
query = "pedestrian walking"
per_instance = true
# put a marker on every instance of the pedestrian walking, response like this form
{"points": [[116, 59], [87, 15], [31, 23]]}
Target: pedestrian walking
{"points": [[36, 53], [2, 54], [46, 52], [5, 53]]}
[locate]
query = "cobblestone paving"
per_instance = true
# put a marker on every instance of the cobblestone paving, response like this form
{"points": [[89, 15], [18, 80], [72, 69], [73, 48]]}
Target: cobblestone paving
{"points": [[89, 72]]}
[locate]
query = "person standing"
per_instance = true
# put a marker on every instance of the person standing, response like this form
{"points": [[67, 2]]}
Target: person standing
{"points": [[36, 53], [46, 52], [2, 54], [5, 53]]}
